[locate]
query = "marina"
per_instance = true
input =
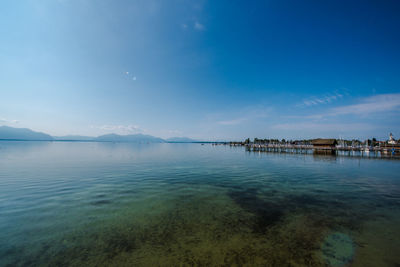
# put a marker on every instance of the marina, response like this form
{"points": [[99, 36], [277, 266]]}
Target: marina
{"points": [[324, 147]]}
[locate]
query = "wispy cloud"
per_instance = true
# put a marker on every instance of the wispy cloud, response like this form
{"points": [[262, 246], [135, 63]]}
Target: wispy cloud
{"points": [[232, 122], [338, 120], [324, 127], [373, 104], [198, 26], [364, 106], [326, 99]]}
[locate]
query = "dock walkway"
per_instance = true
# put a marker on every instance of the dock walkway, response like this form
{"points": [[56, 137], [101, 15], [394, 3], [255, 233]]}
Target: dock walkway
{"points": [[311, 149]]}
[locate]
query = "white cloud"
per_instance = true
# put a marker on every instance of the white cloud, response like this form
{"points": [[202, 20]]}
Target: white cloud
{"points": [[184, 26], [232, 122], [324, 127], [198, 26], [313, 101], [373, 104], [365, 106]]}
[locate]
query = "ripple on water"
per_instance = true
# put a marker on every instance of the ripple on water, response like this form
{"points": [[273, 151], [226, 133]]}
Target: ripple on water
{"points": [[172, 205]]}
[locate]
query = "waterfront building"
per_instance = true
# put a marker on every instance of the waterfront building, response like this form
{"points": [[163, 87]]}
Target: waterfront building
{"points": [[324, 145], [391, 141]]}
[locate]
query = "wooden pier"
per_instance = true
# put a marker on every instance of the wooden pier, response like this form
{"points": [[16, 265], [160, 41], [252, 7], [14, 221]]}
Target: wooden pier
{"points": [[387, 152]]}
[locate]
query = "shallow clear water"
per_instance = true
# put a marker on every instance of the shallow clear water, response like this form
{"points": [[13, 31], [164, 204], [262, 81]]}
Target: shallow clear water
{"points": [[71, 203]]}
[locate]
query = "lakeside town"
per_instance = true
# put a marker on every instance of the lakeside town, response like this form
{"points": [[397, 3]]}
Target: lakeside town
{"points": [[369, 148]]}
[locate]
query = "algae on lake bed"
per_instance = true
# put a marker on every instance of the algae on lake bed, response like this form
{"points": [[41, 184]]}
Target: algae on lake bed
{"points": [[338, 249], [211, 228]]}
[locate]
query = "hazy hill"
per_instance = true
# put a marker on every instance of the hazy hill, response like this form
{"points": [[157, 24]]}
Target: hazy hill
{"points": [[137, 138], [73, 138], [10, 133], [180, 140]]}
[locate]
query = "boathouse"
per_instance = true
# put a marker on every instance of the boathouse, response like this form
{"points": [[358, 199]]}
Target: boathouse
{"points": [[324, 145]]}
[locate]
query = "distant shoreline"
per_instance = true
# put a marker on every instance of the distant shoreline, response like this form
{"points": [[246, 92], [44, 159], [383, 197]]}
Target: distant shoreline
{"points": [[100, 141]]}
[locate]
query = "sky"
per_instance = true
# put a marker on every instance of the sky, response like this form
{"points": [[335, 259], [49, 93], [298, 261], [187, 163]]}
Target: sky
{"points": [[210, 70]]}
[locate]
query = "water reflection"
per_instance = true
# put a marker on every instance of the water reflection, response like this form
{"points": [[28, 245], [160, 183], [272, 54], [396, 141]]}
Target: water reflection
{"points": [[325, 157]]}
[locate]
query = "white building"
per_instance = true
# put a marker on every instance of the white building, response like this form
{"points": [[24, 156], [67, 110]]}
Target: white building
{"points": [[391, 141]]}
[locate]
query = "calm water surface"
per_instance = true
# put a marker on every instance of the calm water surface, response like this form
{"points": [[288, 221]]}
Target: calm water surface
{"points": [[121, 204]]}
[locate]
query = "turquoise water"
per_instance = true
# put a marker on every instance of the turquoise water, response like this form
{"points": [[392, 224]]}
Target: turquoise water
{"points": [[121, 204]]}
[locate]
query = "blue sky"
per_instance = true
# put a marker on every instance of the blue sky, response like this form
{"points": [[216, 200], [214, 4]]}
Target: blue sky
{"points": [[202, 69]]}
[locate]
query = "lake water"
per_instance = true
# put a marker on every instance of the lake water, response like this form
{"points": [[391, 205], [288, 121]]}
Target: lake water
{"points": [[122, 204]]}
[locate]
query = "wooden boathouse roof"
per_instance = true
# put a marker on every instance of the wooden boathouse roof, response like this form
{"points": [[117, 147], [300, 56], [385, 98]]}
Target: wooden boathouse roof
{"points": [[324, 142]]}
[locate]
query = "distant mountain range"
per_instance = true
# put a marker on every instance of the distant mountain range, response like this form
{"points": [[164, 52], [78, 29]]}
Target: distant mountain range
{"points": [[73, 138], [180, 140], [10, 133], [137, 138]]}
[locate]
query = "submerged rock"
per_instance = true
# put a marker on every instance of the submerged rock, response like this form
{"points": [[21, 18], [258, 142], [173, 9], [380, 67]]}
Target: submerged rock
{"points": [[337, 249]]}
